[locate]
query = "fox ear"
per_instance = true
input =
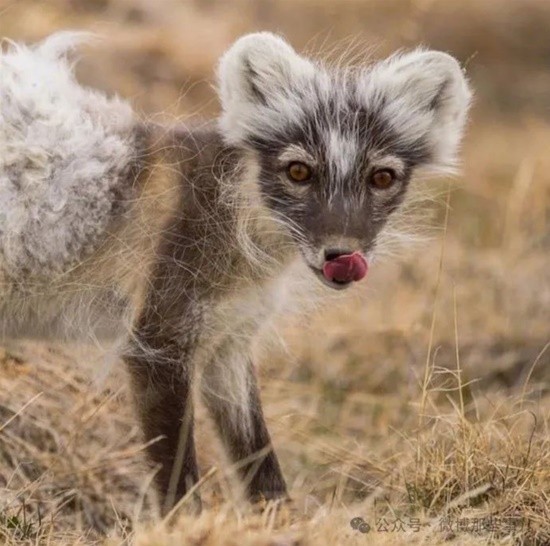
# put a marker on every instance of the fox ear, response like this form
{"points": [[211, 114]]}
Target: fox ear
{"points": [[425, 97], [257, 78]]}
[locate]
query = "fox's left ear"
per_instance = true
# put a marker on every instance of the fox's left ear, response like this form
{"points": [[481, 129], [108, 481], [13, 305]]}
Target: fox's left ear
{"points": [[425, 96], [259, 78]]}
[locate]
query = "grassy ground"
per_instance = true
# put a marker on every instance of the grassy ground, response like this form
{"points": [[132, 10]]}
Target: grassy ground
{"points": [[420, 404]]}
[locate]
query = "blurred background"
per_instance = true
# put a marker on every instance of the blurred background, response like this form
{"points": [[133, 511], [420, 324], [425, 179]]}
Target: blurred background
{"points": [[344, 391]]}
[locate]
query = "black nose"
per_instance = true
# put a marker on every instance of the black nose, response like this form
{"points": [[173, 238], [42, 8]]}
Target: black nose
{"points": [[333, 253]]}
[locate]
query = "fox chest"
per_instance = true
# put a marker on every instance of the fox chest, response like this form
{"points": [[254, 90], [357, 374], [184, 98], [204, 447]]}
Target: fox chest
{"points": [[255, 312]]}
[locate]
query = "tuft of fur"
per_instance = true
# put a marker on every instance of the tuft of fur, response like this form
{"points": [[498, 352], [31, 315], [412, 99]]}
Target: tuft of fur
{"points": [[63, 151]]}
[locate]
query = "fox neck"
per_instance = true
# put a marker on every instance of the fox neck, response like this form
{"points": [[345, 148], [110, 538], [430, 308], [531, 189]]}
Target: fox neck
{"points": [[221, 232]]}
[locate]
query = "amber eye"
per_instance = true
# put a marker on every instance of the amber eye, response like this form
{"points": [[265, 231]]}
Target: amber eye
{"points": [[383, 179], [298, 172]]}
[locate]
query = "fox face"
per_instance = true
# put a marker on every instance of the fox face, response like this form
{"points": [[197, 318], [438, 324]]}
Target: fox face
{"points": [[336, 149]]}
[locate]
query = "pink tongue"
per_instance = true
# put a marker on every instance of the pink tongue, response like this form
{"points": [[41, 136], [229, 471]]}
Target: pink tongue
{"points": [[346, 268]]}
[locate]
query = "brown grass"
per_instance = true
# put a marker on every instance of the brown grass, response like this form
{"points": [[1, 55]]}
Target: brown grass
{"points": [[420, 404]]}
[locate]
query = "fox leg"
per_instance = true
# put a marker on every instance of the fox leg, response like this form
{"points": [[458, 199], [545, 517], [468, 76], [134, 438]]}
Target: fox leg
{"points": [[162, 389], [230, 390]]}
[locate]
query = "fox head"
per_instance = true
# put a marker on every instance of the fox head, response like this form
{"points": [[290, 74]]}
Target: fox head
{"points": [[336, 148]]}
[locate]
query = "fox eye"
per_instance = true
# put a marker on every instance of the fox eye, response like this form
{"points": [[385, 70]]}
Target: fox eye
{"points": [[382, 179], [299, 172]]}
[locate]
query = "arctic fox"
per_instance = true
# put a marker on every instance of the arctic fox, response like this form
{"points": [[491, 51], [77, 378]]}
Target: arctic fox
{"points": [[187, 240]]}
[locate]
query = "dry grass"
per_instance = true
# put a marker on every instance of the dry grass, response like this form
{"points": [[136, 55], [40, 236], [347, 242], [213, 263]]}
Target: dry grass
{"points": [[420, 404]]}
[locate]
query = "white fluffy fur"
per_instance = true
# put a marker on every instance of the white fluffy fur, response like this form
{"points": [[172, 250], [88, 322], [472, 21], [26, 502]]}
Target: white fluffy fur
{"points": [[63, 149]]}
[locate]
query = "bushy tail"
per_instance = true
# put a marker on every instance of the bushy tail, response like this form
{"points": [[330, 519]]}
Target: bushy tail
{"points": [[66, 155]]}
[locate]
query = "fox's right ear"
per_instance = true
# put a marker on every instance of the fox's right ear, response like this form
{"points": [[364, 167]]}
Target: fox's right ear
{"points": [[258, 78]]}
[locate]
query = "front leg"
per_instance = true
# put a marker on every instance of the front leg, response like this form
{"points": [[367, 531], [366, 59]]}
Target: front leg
{"points": [[230, 391], [162, 389]]}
